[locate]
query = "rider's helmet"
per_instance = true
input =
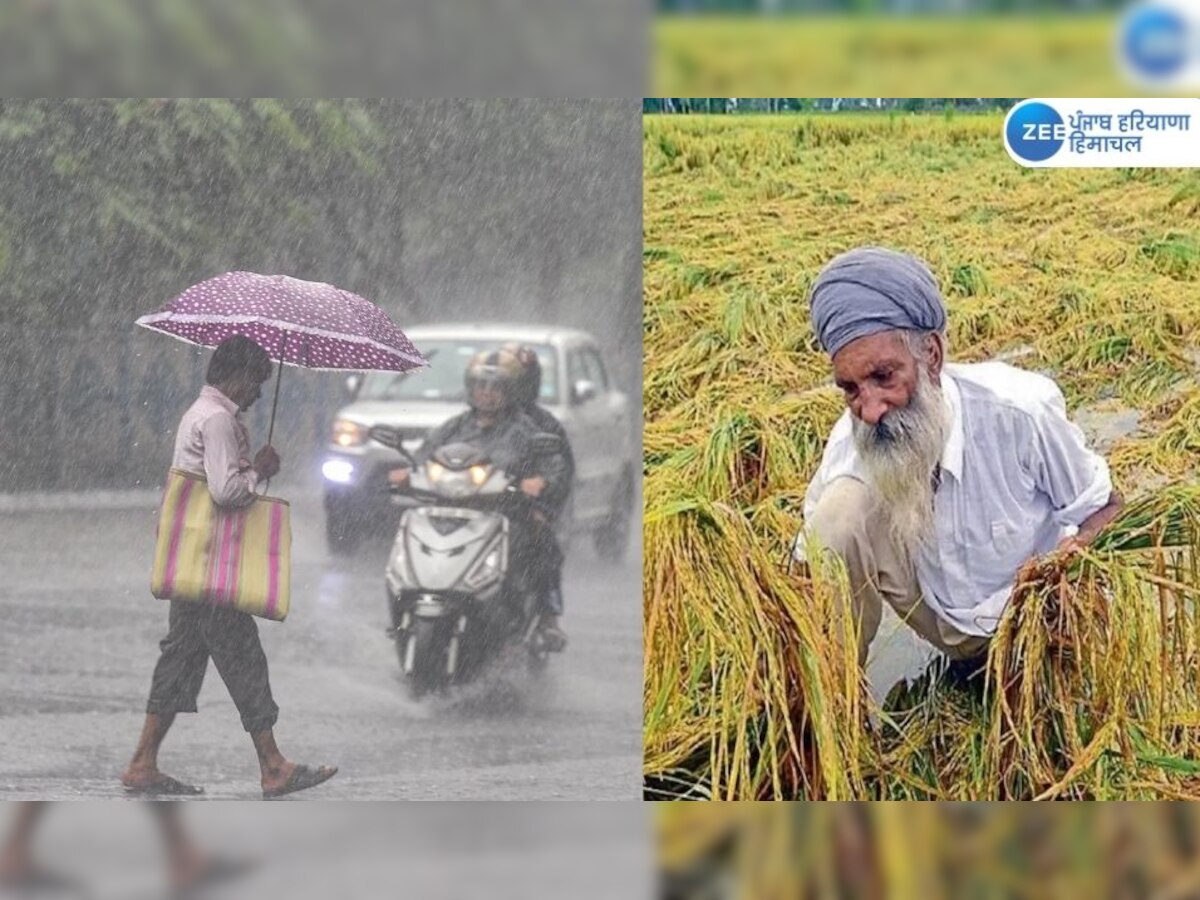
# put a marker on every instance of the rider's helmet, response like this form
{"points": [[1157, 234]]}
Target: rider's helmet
{"points": [[491, 380], [529, 385]]}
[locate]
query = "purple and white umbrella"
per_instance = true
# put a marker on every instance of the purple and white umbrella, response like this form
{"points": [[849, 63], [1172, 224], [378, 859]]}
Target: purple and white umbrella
{"points": [[299, 323]]}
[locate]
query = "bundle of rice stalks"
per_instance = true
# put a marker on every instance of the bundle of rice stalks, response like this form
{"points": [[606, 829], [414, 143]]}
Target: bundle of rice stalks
{"points": [[751, 695], [1092, 679], [935, 851], [1094, 665]]}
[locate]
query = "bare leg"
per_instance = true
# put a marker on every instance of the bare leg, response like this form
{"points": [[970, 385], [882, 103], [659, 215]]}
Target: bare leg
{"points": [[277, 770], [185, 860], [274, 765], [143, 768], [189, 865], [16, 856]]}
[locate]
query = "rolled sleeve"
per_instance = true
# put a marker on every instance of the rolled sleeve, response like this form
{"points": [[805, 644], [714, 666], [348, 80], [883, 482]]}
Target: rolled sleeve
{"points": [[1075, 478]]}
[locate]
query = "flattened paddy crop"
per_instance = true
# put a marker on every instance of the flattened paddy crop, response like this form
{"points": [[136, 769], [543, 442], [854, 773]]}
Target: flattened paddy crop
{"points": [[1090, 276]]}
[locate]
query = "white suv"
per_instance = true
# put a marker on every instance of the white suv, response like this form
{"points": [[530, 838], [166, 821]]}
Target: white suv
{"points": [[576, 389]]}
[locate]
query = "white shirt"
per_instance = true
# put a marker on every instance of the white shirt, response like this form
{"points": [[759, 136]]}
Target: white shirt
{"points": [[213, 442], [1017, 477]]}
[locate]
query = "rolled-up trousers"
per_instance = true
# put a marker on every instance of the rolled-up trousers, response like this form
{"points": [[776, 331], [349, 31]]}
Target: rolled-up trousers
{"points": [[196, 632], [846, 522]]}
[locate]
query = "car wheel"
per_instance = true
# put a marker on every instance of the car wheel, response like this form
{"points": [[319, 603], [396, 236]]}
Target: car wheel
{"points": [[612, 537]]}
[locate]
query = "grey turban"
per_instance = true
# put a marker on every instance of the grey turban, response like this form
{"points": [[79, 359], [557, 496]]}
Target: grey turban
{"points": [[870, 289]]}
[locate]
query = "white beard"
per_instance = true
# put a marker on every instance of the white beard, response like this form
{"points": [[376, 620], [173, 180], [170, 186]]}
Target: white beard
{"points": [[900, 453]]}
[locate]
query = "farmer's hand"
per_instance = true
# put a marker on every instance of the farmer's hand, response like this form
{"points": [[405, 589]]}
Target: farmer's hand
{"points": [[266, 462], [1068, 548], [533, 486], [398, 477], [1028, 572]]}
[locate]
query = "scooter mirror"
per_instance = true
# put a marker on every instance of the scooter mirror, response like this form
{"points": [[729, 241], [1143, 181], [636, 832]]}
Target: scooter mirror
{"points": [[393, 438]]}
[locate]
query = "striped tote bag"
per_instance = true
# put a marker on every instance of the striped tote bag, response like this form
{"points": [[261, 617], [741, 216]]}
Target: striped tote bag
{"points": [[233, 557]]}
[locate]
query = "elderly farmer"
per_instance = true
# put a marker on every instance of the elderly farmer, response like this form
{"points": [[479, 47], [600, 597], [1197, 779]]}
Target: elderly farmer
{"points": [[941, 481]]}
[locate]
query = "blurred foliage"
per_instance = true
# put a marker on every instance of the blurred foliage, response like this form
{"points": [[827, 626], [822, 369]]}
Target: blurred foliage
{"points": [[507, 209], [298, 48], [1051, 55], [183, 46], [734, 105], [111, 206], [899, 7], [821, 851]]}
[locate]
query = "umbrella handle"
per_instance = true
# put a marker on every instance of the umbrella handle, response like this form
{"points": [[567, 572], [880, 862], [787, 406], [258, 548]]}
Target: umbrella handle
{"points": [[274, 407]]}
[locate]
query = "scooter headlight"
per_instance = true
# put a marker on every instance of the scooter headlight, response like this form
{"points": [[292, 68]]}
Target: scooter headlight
{"points": [[479, 474], [450, 482]]}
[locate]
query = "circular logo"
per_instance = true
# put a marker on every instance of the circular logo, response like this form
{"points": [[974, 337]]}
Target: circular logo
{"points": [[1154, 41], [1034, 131]]}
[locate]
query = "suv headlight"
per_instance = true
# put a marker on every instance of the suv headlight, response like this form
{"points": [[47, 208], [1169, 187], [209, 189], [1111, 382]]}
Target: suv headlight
{"points": [[348, 434]]}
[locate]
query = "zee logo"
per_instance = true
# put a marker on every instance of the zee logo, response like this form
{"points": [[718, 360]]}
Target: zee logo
{"points": [[1035, 132], [1153, 41]]}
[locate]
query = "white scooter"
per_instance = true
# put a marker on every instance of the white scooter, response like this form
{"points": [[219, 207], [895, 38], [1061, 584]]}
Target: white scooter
{"points": [[456, 600]]}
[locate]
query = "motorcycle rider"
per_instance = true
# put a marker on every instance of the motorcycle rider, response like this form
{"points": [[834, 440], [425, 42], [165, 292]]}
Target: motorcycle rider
{"points": [[529, 388], [497, 426]]}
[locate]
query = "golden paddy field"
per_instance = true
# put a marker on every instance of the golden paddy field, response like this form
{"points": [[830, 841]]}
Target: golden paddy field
{"points": [[1091, 276], [913, 56]]}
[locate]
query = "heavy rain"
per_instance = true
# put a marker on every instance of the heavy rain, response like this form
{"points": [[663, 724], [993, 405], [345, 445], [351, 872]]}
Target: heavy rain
{"points": [[508, 213]]}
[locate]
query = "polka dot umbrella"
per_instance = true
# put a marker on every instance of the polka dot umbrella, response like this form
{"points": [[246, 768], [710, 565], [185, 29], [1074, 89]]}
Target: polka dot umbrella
{"points": [[299, 323]]}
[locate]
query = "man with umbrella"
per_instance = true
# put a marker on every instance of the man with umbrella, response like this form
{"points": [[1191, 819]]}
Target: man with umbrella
{"points": [[212, 442], [304, 323]]}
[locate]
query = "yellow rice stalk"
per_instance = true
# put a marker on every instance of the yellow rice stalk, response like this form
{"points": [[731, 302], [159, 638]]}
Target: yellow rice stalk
{"points": [[928, 851], [780, 731]]}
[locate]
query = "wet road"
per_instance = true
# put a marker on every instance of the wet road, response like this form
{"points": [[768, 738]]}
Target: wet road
{"points": [[363, 851], [78, 644]]}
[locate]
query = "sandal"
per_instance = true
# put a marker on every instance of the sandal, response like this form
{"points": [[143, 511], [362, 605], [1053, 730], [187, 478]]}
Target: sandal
{"points": [[302, 778], [164, 786]]}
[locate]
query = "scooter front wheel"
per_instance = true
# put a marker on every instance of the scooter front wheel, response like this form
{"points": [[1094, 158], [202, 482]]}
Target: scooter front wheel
{"points": [[423, 657]]}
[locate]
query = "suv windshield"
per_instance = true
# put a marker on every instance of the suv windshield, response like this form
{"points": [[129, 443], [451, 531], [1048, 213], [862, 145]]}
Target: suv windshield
{"points": [[442, 379]]}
